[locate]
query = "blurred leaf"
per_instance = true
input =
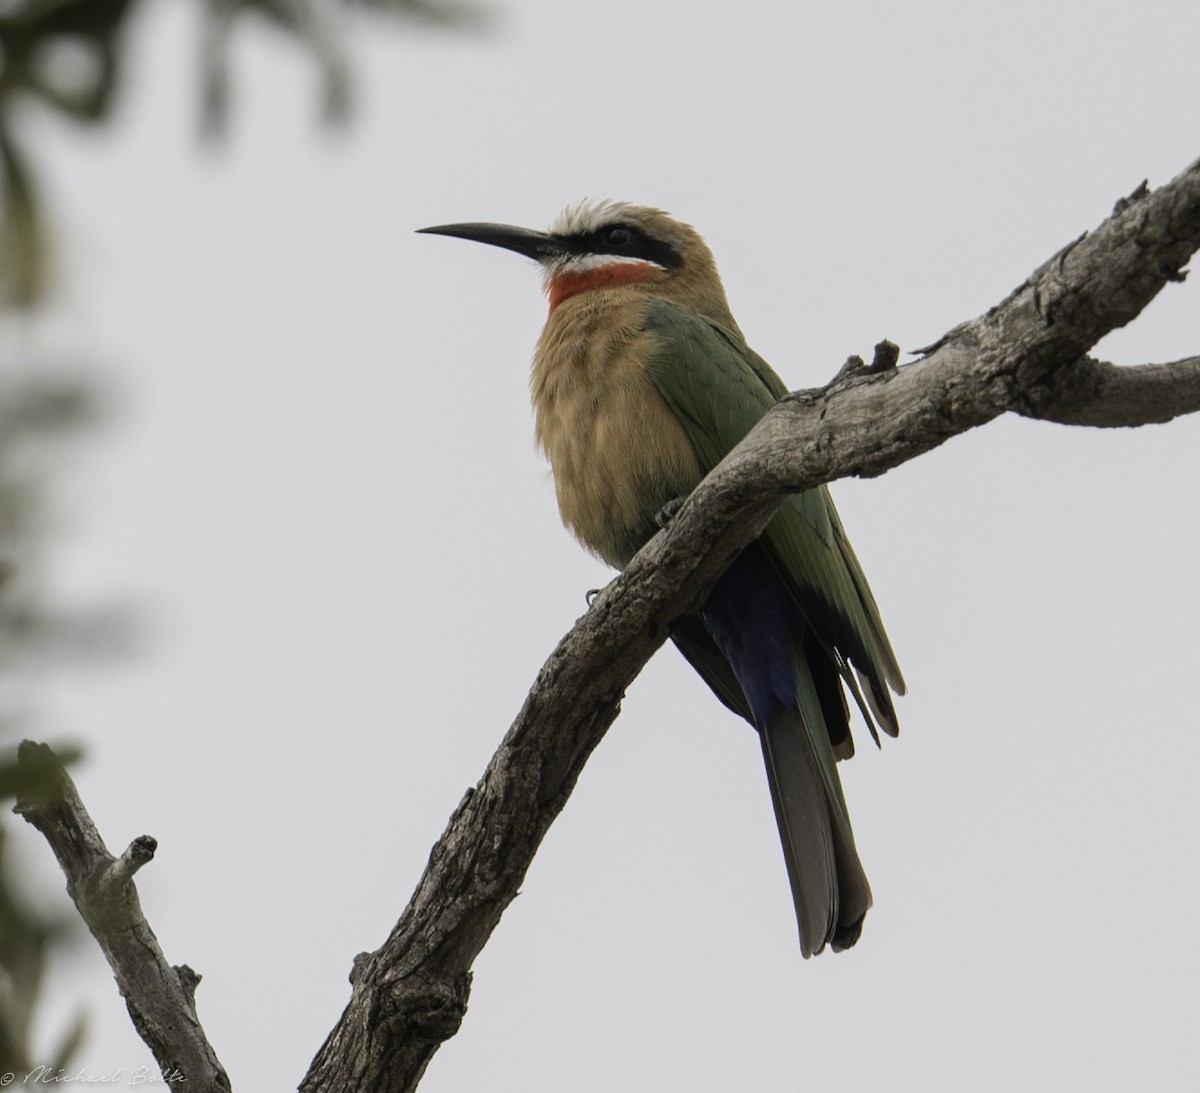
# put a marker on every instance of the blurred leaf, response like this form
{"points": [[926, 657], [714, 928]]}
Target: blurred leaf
{"points": [[22, 250], [36, 777], [71, 1042], [465, 15], [314, 22], [65, 54], [53, 404], [62, 53], [24, 942], [317, 24], [38, 421], [66, 58]]}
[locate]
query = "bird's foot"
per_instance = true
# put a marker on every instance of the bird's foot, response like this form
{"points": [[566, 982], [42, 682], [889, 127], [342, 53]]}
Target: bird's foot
{"points": [[669, 511]]}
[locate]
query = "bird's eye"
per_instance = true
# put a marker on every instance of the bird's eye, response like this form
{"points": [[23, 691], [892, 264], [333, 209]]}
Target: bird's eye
{"points": [[618, 236]]}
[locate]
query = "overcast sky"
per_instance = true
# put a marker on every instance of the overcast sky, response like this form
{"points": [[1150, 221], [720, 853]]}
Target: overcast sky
{"points": [[319, 485]]}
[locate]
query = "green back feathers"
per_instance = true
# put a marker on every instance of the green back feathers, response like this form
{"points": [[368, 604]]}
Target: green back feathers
{"points": [[718, 388]]}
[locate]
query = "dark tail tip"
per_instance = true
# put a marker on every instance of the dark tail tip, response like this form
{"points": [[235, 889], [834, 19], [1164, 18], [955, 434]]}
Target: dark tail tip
{"points": [[846, 935]]}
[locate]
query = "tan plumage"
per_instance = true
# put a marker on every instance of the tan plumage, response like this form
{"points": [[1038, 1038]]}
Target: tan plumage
{"points": [[610, 438], [641, 383], [608, 434]]}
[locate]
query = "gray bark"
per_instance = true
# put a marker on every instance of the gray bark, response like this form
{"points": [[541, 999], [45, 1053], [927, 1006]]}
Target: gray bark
{"points": [[160, 998], [1028, 355]]}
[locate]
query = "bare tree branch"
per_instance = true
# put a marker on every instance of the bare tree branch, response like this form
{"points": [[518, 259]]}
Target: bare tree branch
{"points": [[1026, 355], [160, 998], [1109, 395]]}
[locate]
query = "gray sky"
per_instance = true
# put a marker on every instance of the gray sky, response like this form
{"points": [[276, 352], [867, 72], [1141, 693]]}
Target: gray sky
{"points": [[321, 486]]}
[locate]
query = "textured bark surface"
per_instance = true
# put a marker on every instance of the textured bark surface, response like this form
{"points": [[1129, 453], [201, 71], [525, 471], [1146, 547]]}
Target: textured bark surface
{"points": [[160, 998], [1027, 355]]}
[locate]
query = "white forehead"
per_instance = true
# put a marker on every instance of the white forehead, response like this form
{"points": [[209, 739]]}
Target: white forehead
{"points": [[587, 216]]}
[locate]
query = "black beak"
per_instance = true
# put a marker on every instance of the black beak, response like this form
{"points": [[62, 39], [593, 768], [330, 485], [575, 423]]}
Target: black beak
{"points": [[536, 245]]}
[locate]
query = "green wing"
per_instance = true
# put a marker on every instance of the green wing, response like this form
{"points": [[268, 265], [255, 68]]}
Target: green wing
{"points": [[718, 388]]}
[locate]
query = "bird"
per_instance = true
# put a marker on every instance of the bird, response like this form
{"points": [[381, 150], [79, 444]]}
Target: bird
{"points": [[641, 383]]}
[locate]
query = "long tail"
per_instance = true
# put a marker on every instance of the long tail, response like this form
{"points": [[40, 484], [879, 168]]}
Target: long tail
{"points": [[829, 886], [759, 634]]}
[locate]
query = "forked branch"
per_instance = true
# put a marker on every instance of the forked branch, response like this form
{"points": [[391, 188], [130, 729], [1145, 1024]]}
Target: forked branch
{"points": [[160, 998], [1027, 355]]}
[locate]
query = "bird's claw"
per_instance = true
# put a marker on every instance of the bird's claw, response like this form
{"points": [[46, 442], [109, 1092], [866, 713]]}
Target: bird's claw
{"points": [[668, 512]]}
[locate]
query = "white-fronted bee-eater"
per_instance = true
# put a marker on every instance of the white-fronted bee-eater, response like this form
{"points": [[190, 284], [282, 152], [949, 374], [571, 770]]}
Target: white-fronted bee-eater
{"points": [[641, 383]]}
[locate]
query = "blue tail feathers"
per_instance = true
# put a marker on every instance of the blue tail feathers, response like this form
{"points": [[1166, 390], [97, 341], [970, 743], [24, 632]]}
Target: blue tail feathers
{"points": [[792, 694]]}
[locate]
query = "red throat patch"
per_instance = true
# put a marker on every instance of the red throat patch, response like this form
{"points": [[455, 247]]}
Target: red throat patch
{"points": [[573, 282]]}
